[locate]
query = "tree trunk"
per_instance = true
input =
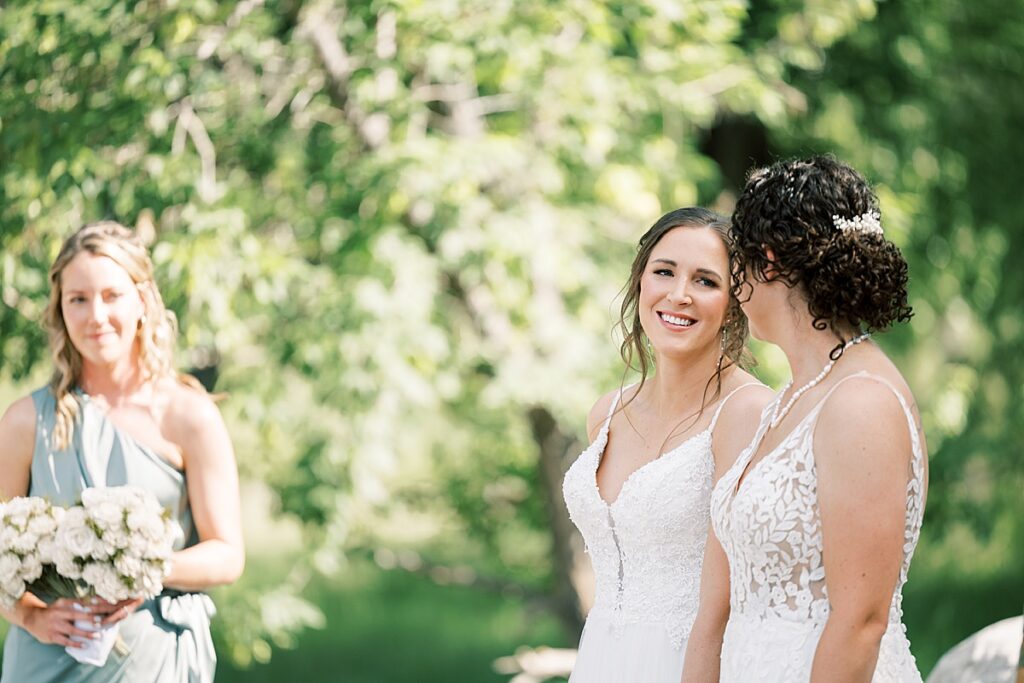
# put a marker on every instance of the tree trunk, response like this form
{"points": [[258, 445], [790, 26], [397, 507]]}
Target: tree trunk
{"points": [[573, 588]]}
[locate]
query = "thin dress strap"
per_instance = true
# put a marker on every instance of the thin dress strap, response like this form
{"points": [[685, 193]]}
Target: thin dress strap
{"points": [[611, 411], [915, 441], [916, 485], [721, 404]]}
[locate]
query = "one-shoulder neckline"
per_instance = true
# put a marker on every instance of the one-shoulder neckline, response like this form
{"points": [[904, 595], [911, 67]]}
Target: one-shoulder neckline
{"points": [[148, 450]]}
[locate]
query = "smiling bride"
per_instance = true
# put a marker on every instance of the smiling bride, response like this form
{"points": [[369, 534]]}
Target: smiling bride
{"points": [[640, 492]]}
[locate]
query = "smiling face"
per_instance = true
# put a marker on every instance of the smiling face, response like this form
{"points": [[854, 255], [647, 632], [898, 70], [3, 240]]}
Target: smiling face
{"points": [[684, 291], [101, 307]]}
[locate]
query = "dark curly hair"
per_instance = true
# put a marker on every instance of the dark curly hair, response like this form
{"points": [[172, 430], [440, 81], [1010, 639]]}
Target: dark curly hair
{"points": [[851, 278], [634, 350]]}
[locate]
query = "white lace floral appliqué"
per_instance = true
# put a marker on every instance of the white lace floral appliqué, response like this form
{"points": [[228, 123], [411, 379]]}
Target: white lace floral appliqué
{"points": [[770, 528]]}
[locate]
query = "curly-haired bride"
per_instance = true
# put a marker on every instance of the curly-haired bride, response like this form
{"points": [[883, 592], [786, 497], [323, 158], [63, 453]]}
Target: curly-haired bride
{"points": [[820, 514]]}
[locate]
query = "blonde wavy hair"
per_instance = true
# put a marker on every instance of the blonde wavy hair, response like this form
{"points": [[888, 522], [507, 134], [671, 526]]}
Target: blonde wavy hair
{"points": [[158, 327]]}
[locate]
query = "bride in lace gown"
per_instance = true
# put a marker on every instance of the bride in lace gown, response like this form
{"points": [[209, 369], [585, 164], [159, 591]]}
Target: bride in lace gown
{"points": [[640, 492], [820, 514]]}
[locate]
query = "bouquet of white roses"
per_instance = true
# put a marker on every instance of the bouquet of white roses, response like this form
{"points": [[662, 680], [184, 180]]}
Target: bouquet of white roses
{"points": [[27, 530], [116, 545]]}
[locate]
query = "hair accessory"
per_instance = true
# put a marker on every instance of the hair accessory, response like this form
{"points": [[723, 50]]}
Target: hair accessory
{"points": [[870, 222]]}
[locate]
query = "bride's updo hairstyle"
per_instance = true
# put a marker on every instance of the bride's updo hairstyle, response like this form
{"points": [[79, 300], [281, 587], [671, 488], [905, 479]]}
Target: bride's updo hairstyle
{"points": [[820, 219]]}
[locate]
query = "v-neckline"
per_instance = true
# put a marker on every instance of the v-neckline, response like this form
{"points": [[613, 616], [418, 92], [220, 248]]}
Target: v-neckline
{"points": [[749, 465], [605, 435]]}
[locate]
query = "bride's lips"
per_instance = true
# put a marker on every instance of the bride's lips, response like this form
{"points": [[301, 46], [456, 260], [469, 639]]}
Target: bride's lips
{"points": [[676, 321]]}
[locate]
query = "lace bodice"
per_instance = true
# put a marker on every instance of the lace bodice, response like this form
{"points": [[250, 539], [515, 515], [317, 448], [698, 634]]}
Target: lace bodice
{"points": [[770, 527], [648, 545]]}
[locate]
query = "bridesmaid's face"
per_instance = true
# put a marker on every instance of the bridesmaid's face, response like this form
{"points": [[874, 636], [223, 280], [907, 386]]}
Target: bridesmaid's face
{"points": [[101, 306], [684, 291]]}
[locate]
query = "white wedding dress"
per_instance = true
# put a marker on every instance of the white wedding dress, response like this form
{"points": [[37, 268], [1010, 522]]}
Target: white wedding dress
{"points": [[646, 548], [771, 531]]}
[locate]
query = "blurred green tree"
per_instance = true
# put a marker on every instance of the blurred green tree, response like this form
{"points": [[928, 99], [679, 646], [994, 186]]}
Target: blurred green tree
{"points": [[394, 230]]}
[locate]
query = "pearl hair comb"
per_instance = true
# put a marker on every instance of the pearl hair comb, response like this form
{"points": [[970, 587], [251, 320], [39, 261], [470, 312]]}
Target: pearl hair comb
{"points": [[870, 222]]}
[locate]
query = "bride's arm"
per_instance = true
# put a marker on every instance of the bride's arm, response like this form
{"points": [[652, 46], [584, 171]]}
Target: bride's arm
{"points": [[734, 431], [704, 648], [863, 452]]}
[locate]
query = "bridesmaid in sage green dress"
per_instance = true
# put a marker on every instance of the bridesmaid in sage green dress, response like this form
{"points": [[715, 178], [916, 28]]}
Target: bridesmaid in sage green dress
{"points": [[116, 413]]}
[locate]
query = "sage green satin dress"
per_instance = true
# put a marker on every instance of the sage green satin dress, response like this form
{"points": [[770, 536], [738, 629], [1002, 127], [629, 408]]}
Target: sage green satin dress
{"points": [[168, 638]]}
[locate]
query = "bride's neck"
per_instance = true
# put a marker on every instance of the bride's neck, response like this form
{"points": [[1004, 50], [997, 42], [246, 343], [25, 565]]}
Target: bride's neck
{"points": [[678, 385], [807, 348]]}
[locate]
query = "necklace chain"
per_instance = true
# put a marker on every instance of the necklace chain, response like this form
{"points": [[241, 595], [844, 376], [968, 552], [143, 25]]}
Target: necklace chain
{"points": [[778, 415]]}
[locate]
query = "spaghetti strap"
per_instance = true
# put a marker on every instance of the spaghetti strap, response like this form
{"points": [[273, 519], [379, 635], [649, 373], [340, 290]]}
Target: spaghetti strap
{"points": [[721, 404], [611, 410], [916, 486], [915, 441]]}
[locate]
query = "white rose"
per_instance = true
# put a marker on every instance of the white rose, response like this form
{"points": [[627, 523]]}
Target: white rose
{"points": [[18, 519], [128, 566], [25, 543], [65, 562], [47, 550], [151, 580], [92, 496], [107, 515], [31, 568], [42, 525], [136, 546], [10, 565], [146, 523], [115, 540], [104, 581], [8, 534], [11, 592], [76, 535]]}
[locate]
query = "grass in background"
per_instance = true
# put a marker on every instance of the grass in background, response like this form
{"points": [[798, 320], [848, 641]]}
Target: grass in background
{"points": [[390, 627], [386, 627], [941, 610]]}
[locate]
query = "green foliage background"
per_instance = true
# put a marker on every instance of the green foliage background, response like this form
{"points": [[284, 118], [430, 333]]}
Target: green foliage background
{"points": [[393, 229]]}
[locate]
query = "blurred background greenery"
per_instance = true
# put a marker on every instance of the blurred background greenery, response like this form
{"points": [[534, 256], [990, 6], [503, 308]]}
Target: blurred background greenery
{"points": [[394, 230]]}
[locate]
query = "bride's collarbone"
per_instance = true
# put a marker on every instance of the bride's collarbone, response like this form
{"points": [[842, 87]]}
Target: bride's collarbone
{"points": [[643, 443]]}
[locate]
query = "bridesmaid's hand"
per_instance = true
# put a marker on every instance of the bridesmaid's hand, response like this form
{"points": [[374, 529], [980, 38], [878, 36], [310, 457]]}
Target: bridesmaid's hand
{"points": [[113, 612], [55, 623]]}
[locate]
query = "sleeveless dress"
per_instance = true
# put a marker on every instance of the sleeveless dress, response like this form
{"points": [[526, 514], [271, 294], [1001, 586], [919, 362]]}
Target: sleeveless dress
{"points": [[770, 529], [168, 638], [647, 548]]}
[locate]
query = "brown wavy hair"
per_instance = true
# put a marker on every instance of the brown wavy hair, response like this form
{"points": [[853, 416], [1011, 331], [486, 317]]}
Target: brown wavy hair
{"points": [[158, 329], [852, 279], [635, 350]]}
